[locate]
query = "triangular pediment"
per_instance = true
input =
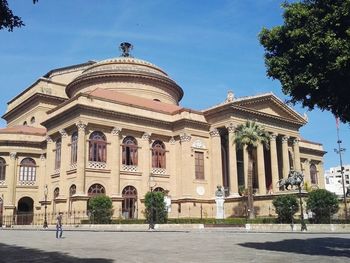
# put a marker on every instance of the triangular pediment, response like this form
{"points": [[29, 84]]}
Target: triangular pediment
{"points": [[269, 104]]}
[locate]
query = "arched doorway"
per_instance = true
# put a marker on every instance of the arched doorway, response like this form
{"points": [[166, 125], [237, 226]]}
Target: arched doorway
{"points": [[25, 211], [129, 202]]}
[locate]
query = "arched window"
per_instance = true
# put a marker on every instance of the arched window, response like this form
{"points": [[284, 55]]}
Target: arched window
{"points": [[129, 148], [2, 169], [313, 174], [96, 189], [32, 120], [158, 154], [72, 190], [97, 147], [27, 170], [129, 202], [58, 154], [74, 148], [56, 193]]}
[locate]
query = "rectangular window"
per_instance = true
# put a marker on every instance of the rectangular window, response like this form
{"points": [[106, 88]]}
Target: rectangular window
{"points": [[199, 165]]}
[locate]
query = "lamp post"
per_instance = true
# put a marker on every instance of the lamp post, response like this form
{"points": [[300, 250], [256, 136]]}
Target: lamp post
{"points": [[339, 151], [45, 216], [303, 225]]}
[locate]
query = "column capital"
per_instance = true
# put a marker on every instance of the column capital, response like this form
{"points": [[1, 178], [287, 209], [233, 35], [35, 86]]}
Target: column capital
{"points": [[63, 133], [13, 155], [184, 137], [81, 125], [296, 141], [273, 136], [42, 157], [285, 139], [146, 136], [116, 131], [49, 139], [214, 133], [231, 127]]}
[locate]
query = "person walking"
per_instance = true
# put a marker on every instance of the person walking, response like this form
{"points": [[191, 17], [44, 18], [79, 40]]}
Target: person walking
{"points": [[59, 229]]}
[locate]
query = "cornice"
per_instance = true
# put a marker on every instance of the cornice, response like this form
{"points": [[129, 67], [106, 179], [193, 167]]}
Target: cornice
{"points": [[304, 150], [30, 101], [105, 76]]}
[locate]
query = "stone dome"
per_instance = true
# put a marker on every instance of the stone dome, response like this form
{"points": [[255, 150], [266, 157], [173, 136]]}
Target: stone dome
{"points": [[128, 75]]}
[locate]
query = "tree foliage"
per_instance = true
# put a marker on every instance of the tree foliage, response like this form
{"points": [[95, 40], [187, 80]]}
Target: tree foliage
{"points": [[310, 54], [250, 134], [100, 207], [323, 204], [7, 19], [285, 206], [155, 211]]}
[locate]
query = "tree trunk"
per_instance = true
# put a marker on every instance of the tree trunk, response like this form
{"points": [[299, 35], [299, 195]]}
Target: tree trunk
{"points": [[251, 211]]}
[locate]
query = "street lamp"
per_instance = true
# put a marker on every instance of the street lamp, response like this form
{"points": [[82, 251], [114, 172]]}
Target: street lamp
{"points": [[339, 151], [45, 216]]}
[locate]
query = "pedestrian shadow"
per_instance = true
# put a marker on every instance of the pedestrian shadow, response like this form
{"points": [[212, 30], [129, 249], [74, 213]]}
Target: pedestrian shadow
{"points": [[328, 246], [22, 254]]}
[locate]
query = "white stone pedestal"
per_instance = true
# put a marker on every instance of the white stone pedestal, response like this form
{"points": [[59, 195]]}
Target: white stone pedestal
{"points": [[220, 214]]}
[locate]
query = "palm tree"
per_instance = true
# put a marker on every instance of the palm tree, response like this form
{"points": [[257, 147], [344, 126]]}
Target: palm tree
{"points": [[251, 134]]}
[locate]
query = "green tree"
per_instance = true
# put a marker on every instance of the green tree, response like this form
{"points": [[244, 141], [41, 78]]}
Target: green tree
{"points": [[310, 54], [323, 204], [286, 206], [155, 211], [7, 18], [251, 135], [100, 207]]}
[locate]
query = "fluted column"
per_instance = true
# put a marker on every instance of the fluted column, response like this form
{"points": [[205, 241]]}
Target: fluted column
{"points": [[285, 156], [296, 151], [115, 161], [81, 158], [12, 179], [261, 169], [232, 160], [187, 170], [216, 161], [274, 162]]}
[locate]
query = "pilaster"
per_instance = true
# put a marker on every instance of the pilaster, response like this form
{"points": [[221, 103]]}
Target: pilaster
{"points": [[187, 171], [65, 157], [81, 158], [285, 156], [296, 151], [146, 164], [115, 161], [233, 175], [216, 161], [12, 179]]}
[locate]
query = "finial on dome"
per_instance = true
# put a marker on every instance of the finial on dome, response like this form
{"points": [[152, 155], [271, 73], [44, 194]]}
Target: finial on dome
{"points": [[126, 47]]}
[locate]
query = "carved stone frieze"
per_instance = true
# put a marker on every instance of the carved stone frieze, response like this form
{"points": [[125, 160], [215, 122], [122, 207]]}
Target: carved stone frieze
{"points": [[198, 144]]}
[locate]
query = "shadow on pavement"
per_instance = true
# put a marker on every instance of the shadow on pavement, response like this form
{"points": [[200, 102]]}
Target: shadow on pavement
{"points": [[22, 254], [333, 247]]}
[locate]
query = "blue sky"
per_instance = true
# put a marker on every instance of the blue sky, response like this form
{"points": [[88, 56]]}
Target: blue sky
{"points": [[207, 47]]}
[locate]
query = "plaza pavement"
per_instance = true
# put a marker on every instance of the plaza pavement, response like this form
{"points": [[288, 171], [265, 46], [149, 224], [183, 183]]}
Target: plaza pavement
{"points": [[197, 245]]}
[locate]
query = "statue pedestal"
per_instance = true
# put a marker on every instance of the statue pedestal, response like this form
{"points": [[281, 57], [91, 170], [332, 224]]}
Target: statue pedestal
{"points": [[220, 213]]}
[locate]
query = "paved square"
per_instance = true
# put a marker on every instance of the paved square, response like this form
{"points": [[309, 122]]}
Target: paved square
{"points": [[192, 246]]}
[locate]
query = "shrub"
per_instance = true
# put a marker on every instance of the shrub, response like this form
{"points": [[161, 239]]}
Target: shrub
{"points": [[155, 211], [323, 204], [286, 206], [100, 208]]}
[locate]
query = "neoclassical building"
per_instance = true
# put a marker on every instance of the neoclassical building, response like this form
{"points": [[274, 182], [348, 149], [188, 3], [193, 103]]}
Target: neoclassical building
{"points": [[116, 127]]}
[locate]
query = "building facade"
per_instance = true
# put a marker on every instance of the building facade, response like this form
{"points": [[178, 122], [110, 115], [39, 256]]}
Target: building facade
{"points": [[115, 127], [333, 179]]}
